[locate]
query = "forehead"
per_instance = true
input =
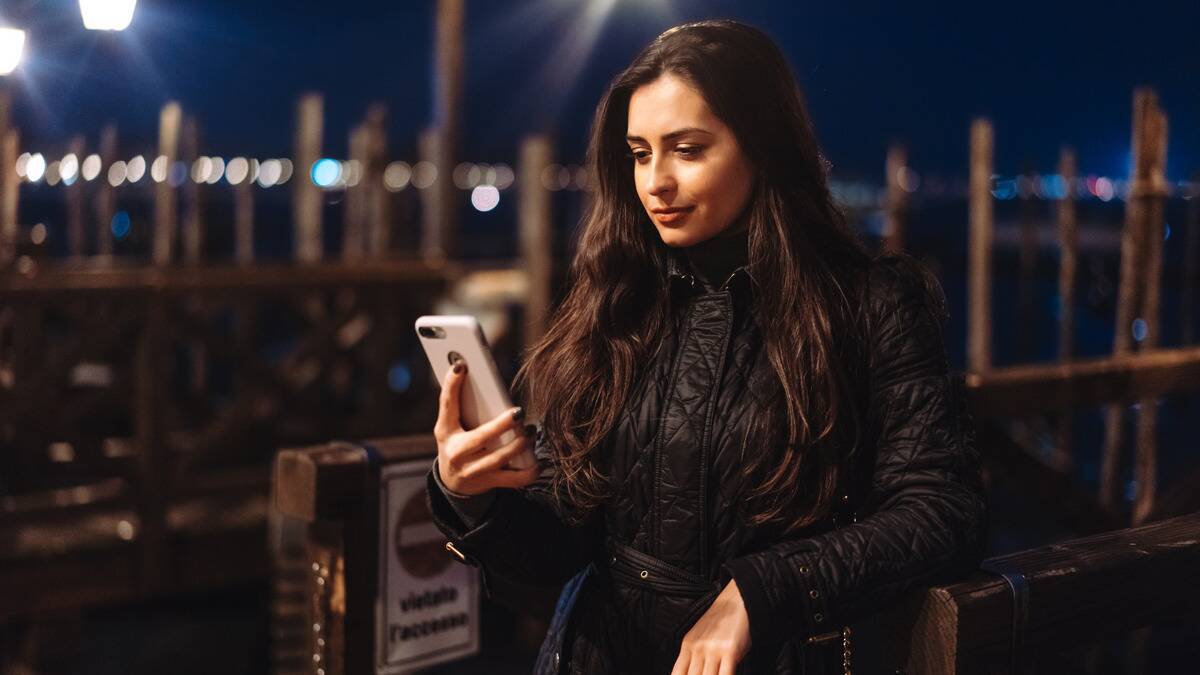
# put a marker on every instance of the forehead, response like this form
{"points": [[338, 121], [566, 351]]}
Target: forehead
{"points": [[666, 104]]}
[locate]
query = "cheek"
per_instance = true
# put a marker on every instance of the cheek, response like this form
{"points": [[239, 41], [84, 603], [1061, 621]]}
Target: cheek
{"points": [[721, 190]]}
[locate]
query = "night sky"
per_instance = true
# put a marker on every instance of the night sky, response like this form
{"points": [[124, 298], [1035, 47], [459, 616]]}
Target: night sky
{"points": [[1046, 72]]}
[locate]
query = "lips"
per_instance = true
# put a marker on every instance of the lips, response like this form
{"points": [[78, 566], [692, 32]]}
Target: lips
{"points": [[671, 215]]}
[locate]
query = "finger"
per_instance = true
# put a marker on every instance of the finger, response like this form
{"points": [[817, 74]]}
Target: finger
{"points": [[498, 457], [499, 424], [712, 665], [682, 662], [449, 420], [696, 664], [516, 478], [727, 666]]}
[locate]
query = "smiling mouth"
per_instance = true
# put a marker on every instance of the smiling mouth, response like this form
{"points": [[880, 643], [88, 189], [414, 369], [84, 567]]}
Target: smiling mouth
{"points": [[673, 215]]}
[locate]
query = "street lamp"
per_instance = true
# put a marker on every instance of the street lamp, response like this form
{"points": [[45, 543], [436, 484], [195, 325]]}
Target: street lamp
{"points": [[107, 14], [12, 43]]}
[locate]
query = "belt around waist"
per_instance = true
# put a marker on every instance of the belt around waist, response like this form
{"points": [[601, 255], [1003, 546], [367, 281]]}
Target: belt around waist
{"points": [[627, 565]]}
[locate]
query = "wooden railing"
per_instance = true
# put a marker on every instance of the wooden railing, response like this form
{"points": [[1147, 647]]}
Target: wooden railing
{"points": [[1077, 591], [142, 407]]}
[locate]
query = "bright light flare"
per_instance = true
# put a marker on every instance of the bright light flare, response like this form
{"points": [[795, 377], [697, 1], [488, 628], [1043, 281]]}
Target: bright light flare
{"points": [[107, 14], [12, 45]]}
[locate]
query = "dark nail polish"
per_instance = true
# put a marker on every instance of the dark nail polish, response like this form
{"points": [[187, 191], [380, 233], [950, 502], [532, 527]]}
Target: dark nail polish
{"points": [[518, 414], [459, 366]]}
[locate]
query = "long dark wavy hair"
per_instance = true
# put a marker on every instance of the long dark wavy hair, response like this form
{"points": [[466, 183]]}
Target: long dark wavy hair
{"points": [[802, 259]]}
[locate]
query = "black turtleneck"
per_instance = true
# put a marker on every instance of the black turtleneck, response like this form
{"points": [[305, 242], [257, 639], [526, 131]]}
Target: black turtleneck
{"points": [[713, 260]]}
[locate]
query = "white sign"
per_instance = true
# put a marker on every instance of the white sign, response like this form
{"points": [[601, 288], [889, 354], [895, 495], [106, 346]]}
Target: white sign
{"points": [[427, 611]]}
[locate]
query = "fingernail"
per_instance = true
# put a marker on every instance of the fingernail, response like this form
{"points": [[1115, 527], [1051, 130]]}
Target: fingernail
{"points": [[459, 366], [518, 413]]}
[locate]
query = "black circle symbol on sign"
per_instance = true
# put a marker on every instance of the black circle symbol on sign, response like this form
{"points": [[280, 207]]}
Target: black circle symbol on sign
{"points": [[419, 553]]}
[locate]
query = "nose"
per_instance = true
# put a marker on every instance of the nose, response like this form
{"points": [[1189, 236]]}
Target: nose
{"points": [[660, 180]]}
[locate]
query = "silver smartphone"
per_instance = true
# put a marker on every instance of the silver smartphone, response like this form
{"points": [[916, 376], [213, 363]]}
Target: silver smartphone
{"points": [[446, 338]]}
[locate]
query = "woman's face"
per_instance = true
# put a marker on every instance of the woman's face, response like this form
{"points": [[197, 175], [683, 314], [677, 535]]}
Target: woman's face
{"points": [[691, 175]]}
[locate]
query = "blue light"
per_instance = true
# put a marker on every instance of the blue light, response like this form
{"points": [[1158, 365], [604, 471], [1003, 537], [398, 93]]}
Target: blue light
{"points": [[1005, 189], [399, 377], [1166, 231], [120, 224], [325, 172], [1140, 329]]}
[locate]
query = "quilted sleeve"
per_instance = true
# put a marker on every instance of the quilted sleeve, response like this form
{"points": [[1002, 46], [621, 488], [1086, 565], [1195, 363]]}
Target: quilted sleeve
{"points": [[928, 510], [522, 538]]}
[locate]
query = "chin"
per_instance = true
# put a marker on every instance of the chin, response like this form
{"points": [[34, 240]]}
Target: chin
{"points": [[679, 238]]}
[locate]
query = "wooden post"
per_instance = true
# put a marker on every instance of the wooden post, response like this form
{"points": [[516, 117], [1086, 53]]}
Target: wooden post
{"points": [[1068, 241], [306, 196], [442, 242], [979, 292], [76, 230], [193, 243], [1027, 267], [165, 206], [243, 218], [378, 202], [897, 198], [10, 184], [431, 199], [1133, 252], [1191, 251], [1154, 191], [193, 218], [536, 233], [105, 196], [152, 465], [354, 204]]}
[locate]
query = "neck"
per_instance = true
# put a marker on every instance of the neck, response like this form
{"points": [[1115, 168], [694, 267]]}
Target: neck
{"points": [[715, 259]]}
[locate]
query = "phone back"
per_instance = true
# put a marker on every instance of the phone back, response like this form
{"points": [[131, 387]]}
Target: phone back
{"points": [[484, 394]]}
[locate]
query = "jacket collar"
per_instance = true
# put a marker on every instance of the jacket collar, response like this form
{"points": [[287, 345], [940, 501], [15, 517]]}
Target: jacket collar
{"points": [[680, 276]]}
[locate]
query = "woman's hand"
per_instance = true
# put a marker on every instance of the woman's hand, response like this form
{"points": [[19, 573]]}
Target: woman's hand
{"points": [[719, 639], [463, 465]]}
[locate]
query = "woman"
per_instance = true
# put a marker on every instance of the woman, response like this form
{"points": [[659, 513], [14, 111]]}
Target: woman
{"points": [[749, 436]]}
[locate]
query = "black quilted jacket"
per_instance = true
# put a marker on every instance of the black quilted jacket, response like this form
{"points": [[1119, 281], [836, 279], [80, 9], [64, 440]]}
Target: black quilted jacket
{"points": [[644, 567]]}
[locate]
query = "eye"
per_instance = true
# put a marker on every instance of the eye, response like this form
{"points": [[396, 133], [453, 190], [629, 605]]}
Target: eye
{"points": [[637, 154], [689, 150]]}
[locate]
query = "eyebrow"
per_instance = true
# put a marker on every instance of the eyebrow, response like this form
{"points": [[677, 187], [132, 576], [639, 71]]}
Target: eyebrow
{"points": [[673, 135]]}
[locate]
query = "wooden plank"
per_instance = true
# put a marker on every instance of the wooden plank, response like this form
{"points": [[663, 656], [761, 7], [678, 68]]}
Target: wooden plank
{"points": [[378, 199], [1068, 242], [1145, 464], [979, 290], [536, 234], [153, 465], [306, 196], [897, 198], [1037, 389], [354, 203], [106, 204], [1079, 590], [76, 228], [432, 244], [164, 192], [193, 195], [10, 186], [319, 482], [260, 279], [1026, 268], [449, 61], [326, 481], [243, 219], [1128, 288]]}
